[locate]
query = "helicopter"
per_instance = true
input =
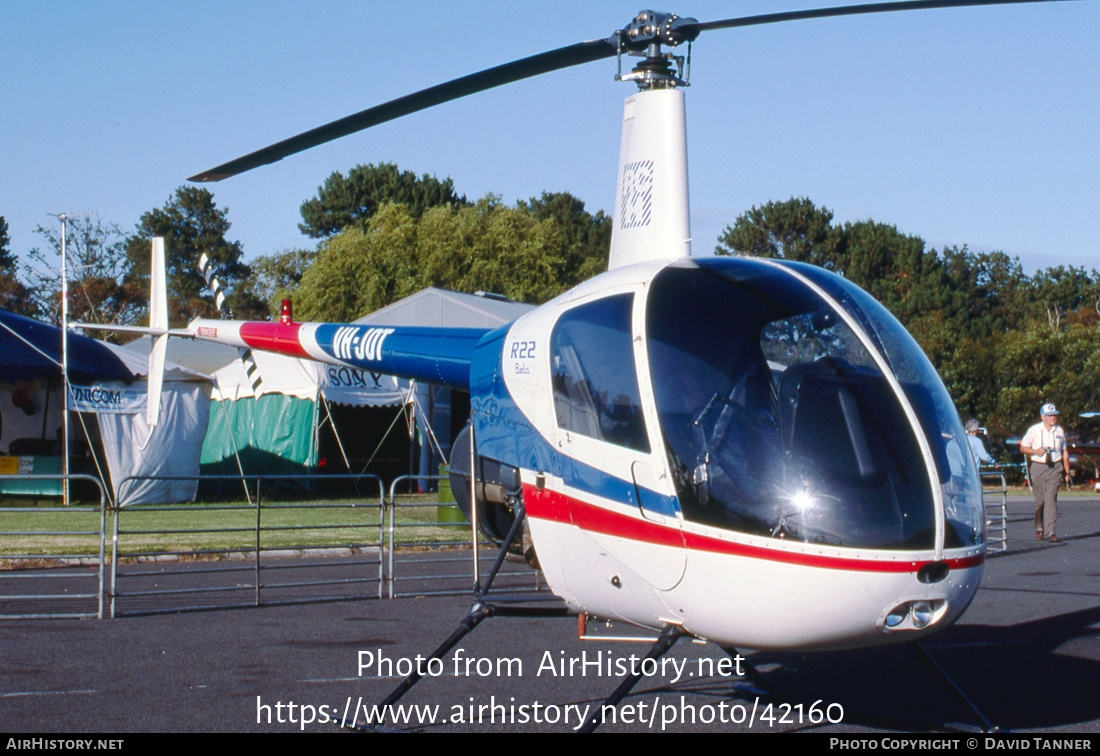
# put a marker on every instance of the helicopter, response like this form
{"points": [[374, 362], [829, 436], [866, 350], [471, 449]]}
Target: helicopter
{"points": [[747, 451]]}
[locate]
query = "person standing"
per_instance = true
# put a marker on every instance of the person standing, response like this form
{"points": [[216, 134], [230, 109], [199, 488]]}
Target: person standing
{"points": [[977, 448], [1045, 444]]}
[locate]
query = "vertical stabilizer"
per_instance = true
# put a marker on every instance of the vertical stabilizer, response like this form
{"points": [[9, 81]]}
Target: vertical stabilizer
{"points": [[158, 319], [651, 196]]}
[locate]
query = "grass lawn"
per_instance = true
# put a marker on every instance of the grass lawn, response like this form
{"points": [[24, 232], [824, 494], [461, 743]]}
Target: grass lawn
{"points": [[196, 529]]}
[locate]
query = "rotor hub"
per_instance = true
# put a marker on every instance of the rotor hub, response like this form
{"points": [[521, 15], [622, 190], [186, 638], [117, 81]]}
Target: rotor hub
{"points": [[654, 28], [643, 38]]}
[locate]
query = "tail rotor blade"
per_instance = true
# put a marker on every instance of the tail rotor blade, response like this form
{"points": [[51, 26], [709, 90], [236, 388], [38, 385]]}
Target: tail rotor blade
{"points": [[214, 286]]}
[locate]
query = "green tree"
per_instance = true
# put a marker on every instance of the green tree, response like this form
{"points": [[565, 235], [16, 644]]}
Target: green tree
{"points": [[343, 201], [989, 288], [361, 270], [1057, 292], [276, 277], [491, 247], [1035, 366], [7, 259], [14, 295], [483, 247], [792, 230], [101, 285], [587, 236], [191, 224]]}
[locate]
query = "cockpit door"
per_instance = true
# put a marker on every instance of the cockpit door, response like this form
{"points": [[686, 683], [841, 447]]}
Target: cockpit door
{"points": [[606, 422]]}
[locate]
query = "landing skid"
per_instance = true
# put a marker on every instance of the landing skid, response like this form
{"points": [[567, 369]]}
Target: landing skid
{"points": [[980, 722], [938, 672], [482, 610], [660, 647]]}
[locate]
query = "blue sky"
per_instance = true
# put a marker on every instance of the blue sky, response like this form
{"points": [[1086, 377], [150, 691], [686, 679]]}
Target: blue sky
{"points": [[966, 126]]}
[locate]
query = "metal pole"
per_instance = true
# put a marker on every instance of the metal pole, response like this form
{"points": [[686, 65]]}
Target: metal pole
{"points": [[473, 509], [114, 557], [256, 574], [391, 508], [102, 547], [64, 362]]}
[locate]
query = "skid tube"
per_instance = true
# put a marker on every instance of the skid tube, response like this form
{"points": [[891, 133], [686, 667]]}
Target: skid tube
{"points": [[952, 687], [482, 610]]}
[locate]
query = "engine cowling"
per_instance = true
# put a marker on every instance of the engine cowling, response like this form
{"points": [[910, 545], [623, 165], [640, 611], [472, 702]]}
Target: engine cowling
{"points": [[499, 495]]}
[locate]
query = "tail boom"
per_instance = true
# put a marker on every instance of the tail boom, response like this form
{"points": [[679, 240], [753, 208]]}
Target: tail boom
{"points": [[432, 355]]}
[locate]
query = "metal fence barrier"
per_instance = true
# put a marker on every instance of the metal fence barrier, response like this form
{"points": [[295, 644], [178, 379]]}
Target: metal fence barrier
{"points": [[443, 565], [221, 553], [995, 505], [240, 564], [49, 574]]}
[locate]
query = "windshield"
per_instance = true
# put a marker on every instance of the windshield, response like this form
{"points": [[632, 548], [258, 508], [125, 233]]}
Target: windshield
{"points": [[777, 420], [958, 476]]}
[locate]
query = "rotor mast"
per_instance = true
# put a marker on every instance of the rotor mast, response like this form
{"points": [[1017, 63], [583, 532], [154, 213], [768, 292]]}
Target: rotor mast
{"points": [[651, 196]]}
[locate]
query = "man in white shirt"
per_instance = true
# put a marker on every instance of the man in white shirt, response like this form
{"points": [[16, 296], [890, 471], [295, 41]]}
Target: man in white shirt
{"points": [[1045, 446]]}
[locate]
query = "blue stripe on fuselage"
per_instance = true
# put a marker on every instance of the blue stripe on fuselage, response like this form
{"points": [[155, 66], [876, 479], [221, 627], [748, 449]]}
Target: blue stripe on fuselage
{"points": [[505, 434]]}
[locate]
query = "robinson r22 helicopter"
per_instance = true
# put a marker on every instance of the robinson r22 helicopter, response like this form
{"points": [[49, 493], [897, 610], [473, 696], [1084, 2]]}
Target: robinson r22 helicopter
{"points": [[749, 451]]}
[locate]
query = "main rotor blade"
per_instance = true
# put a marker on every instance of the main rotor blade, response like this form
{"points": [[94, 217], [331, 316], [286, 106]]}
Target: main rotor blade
{"points": [[564, 57], [848, 10]]}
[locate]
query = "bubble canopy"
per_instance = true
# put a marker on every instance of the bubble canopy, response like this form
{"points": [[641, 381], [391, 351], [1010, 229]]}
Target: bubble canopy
{"points": [[794, 406]]}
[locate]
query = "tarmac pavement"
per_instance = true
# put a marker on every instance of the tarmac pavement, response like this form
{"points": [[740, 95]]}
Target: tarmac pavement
{"points": [[1027, 653]]}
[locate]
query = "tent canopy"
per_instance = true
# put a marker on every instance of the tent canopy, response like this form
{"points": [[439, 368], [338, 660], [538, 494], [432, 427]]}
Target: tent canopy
{"points": [[108, 381], [168, 450], [306, 379], [30, 349]]}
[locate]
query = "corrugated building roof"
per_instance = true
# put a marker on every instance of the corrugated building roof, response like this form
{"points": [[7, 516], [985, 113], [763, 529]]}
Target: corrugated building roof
{"points": [[445, 308]]}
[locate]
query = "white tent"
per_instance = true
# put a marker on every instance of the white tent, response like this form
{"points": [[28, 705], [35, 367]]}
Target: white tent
{"points": [[133, 447], [263, 424], [306, 379]]}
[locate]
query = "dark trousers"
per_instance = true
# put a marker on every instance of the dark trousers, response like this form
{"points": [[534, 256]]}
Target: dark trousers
{"points": [[1045, 480]]}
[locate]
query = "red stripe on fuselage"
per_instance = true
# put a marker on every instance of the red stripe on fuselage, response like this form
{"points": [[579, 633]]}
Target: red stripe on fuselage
{"points": [[274, 337], [556, 507]]}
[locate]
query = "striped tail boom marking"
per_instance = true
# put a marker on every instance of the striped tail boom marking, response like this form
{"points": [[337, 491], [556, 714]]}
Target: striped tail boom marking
{"points": [[251, 369]]}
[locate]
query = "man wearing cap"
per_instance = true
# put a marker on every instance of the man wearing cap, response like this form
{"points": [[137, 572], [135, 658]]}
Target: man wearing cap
{"points": [[1045, 444]]}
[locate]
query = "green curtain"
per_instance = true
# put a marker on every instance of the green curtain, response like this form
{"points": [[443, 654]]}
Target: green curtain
{"points": [[272, 433]]}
